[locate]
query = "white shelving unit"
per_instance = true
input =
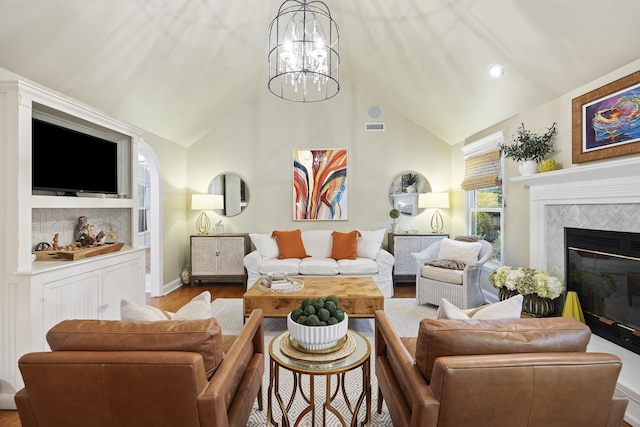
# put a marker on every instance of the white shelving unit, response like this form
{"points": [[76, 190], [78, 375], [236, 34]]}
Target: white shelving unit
{"points": [[37, 295], [62, 202]]}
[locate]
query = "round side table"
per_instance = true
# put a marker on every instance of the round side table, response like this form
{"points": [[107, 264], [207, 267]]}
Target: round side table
{"points": [[359, 358]]}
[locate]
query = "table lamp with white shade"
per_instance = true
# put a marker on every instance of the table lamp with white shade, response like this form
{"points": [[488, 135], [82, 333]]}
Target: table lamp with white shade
{"points": [[435, 201], [205, 202]]}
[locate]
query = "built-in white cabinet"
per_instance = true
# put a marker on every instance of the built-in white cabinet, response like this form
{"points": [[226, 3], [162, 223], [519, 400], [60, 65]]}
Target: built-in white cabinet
{"points": [[36, 295], [89, 290], [401, 246], [219, 258]]}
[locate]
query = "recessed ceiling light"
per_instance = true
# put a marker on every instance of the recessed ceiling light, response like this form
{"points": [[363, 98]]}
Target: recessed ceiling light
{"points": [[496, 70]]}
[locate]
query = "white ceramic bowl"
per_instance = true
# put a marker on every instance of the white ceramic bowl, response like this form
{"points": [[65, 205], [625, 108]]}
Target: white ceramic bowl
{"points": [[317, 337]]}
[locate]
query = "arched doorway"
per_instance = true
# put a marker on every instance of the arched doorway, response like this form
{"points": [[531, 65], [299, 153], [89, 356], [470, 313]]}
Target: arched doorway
{"points": [[153, 216]]}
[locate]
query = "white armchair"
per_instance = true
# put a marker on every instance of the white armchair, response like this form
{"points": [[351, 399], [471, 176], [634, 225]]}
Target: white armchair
{"points": [[459, 287]]}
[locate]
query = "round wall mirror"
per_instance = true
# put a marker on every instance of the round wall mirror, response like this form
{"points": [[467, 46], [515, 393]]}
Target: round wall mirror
{"points": [[234, 191], [404, 191]]}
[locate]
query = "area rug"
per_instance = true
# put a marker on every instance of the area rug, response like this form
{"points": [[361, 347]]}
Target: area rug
{"points": [[404, 315]]}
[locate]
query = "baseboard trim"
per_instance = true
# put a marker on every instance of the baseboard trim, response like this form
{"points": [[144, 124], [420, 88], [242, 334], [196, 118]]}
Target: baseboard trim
{"points": [[171, 286]]}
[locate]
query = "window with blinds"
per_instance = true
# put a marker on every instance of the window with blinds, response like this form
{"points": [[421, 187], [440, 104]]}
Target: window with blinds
{"points": [[483, 185], [483, 171]]}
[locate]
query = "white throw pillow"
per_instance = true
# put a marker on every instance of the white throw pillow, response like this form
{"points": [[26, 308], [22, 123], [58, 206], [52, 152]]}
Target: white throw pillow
{"points": [[369, 243], [137, 312], [197, 309], [466, 252], [507, 309], [446, 310], [266, 245], [317, 243]]}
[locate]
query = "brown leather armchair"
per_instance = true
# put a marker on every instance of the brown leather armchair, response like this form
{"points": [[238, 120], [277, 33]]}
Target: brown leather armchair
{"points": [[168, 373], [522, 372]]}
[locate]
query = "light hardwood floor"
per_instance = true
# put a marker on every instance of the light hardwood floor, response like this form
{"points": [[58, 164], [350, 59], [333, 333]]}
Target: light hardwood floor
{"points": [[184, 294]]}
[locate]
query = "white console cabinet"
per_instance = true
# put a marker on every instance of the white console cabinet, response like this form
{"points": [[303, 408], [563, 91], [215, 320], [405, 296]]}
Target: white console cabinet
{"points": [[36, 295], [219, 258]]}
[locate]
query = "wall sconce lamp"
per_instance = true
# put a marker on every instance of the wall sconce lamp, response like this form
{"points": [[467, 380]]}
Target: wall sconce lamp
{"points": [[205, 202], [435, 201]]}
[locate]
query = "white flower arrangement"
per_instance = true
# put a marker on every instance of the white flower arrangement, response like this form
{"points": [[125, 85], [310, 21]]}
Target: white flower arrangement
{"points": [[527, 281]]}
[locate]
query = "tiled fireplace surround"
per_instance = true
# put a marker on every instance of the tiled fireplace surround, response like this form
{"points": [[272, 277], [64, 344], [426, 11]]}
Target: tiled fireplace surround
{"points": [[602, 196]]}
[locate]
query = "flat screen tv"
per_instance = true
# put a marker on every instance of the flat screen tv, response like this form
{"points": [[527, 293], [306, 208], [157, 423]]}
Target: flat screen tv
{"points": [[69, 162]]}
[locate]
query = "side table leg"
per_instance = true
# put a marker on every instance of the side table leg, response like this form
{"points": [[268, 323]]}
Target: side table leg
{"points": [[366, 388], [274, 389], [310, 399], [272, 375], [329, 398]]}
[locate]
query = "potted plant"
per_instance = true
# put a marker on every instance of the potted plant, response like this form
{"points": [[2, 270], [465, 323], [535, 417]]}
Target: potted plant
{"points": [[394, 214], [318, 324], [528, 148], [538, 288]]}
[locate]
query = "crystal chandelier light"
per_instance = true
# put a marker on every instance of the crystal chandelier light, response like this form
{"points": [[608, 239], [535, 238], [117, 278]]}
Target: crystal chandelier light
{"points": [[304, 52]]}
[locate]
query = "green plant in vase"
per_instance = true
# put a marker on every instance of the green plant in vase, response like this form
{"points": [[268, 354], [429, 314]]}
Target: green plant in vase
{"points": [[394, 214], [408, 182], [529, 148], [318, 324]]}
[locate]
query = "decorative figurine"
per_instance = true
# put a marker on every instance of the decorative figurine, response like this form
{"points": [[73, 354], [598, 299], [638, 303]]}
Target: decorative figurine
{"points": [[81, 229], [112, 235]]}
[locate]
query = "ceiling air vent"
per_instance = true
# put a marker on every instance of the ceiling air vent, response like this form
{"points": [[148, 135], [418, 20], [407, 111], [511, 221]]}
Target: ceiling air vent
{"points": [[368, 127]]}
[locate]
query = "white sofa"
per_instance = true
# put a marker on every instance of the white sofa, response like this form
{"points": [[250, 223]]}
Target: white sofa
{"points": [[371, 259]]}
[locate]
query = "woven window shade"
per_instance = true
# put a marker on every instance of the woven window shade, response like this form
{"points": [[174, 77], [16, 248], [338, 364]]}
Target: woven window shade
{"points": [[482, 171]]}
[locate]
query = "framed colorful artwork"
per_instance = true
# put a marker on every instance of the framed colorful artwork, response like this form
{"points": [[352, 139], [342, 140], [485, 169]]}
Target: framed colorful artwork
{"points": [[320, 184], [606, 121]]}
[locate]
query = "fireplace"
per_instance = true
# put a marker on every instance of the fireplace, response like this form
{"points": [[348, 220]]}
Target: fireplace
{"points": [[595, 196], [603, 267]]}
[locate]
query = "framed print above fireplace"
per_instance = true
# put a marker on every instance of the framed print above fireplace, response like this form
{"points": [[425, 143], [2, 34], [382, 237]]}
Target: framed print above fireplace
{"points": [[320, 185], [606, 121]]}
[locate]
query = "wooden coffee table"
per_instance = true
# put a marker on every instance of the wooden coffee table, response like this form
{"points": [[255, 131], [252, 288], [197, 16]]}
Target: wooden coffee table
{"points": [[359, 296]]}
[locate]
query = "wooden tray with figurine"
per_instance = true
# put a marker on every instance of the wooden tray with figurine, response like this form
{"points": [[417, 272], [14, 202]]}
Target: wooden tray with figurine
{"points": [[51, 255]]}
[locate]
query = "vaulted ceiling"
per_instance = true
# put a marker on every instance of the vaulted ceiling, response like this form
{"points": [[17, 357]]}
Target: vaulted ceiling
{"points": [[178, 67]]}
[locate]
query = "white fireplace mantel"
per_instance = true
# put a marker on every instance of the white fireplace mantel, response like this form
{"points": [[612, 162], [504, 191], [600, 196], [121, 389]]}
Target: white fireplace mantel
{"points": [[615, 182], [613, 169], [606, 196]]}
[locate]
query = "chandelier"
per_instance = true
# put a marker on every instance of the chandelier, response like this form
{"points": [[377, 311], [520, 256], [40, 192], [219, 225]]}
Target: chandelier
{"points": [[303, 52]]}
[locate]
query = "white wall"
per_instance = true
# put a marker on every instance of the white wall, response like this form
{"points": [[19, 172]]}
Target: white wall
{"points": [[256, 142], [458, 196]]}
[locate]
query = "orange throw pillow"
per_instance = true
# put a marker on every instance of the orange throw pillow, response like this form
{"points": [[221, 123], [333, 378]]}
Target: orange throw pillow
{"points": [[290, 244], [344, 245]]}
